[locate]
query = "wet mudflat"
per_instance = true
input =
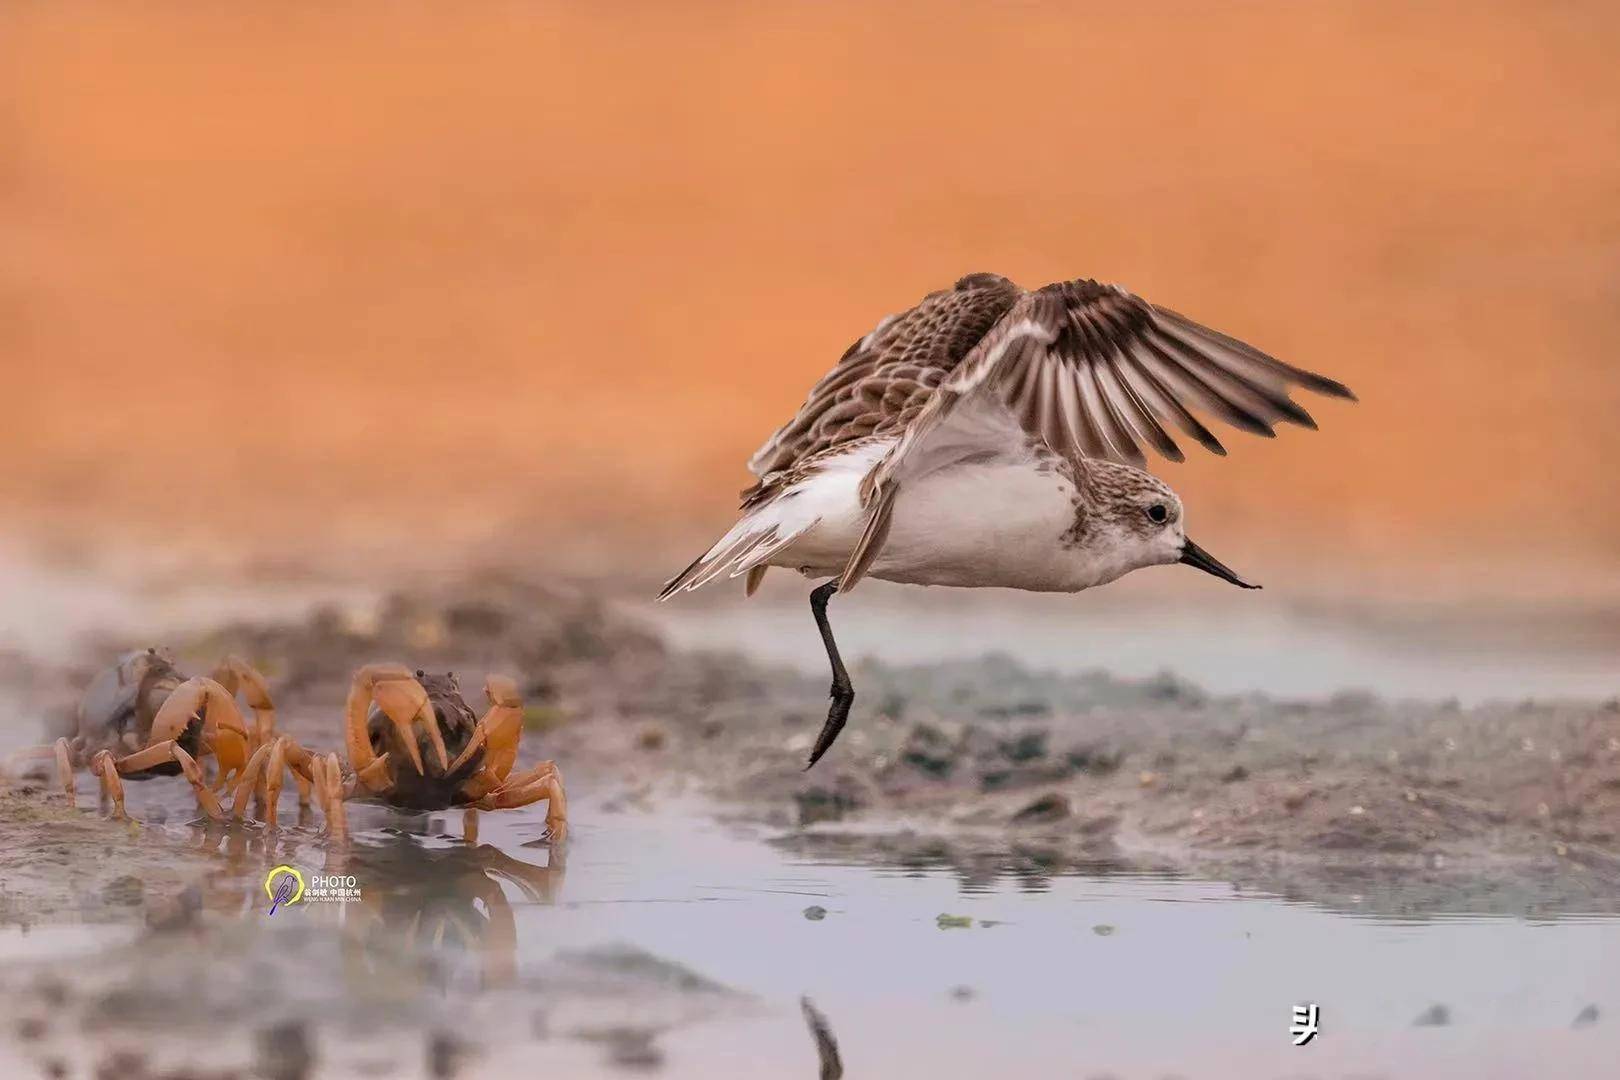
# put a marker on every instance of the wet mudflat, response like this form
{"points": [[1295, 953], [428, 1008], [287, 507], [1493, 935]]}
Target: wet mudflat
{"points": [[669, 942], [1003, 868]]}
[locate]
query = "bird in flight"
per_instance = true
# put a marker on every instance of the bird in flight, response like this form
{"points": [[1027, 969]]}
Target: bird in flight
{"points": [[993, 436]]}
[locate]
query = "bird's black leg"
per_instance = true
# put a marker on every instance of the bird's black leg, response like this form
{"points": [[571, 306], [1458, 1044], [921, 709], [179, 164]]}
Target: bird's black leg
{"points": [[843, 694]]}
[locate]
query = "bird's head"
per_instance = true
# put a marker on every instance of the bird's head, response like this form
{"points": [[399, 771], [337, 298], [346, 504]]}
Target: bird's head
{"points": [[1129, 519]]}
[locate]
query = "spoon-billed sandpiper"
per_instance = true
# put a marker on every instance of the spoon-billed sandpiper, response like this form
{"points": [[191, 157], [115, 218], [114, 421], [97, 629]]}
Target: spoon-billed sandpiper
{"points": [[992, 436]]}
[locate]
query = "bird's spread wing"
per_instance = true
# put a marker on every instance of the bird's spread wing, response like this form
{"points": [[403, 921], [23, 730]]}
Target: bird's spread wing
{"points": [[1093, 371], [885, 378], [1105, 373]]}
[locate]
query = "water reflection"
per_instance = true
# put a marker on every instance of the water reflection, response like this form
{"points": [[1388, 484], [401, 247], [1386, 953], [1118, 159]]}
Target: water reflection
{"points": [[1407, 892], [421, 892], [979, 866], [422, 898], [682, 945]]}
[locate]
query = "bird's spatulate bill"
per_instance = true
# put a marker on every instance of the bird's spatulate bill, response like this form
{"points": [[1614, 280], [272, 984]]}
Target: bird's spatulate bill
{"points": [[1193, 555]]}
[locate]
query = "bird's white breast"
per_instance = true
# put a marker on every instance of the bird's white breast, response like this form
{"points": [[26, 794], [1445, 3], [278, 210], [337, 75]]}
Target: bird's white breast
{"points": [[996, 523]]}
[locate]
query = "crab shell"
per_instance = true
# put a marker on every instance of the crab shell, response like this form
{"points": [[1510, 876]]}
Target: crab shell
{"points": [[118, 708]]}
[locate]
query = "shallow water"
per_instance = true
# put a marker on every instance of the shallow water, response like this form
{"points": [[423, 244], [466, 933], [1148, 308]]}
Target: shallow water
{"points": [[1101, 973]]}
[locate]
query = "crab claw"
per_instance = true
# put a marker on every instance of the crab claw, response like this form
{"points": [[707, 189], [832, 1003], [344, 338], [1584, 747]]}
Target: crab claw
{"points": [[178, 710], [430, 720], [472, 747], [374, 777], [502, 690], [402, 700]]}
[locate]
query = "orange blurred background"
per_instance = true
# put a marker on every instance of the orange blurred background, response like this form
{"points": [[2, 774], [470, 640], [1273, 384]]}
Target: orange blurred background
{"points": [[401, 283]]}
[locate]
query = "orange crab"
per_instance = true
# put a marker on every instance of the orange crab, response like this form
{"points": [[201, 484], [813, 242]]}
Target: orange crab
{"points": [[142, 718], [413, 743]]}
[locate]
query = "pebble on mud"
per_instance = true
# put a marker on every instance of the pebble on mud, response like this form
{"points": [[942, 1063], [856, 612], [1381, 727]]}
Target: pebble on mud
{"points": [[947, 921], [1586, 1017], [1103, 930], [815, 913]]}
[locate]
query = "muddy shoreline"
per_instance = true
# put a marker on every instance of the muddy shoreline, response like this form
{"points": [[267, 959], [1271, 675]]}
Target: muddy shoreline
{"points": [[1356, 802]]}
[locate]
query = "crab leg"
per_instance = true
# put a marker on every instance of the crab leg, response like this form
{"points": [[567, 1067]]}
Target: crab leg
{"points": [[248, 782], [540, 771], [169, 750], [548, 786], [112, 787], [317, 772], [485, 782], [64, 767], [298, 764], [274, 766], [337, 817], [327, 777]]}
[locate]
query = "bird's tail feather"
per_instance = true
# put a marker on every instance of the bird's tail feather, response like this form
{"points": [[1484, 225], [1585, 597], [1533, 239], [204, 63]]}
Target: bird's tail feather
{"points": [[744, 550]]}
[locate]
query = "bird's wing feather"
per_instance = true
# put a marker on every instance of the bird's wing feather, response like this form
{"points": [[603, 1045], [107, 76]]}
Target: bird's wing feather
{"points": [[1094, 372], [885, 378]]}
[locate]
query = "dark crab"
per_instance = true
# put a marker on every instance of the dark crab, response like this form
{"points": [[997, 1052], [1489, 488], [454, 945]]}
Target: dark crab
{"points": [[414, 743], [142, 718]]}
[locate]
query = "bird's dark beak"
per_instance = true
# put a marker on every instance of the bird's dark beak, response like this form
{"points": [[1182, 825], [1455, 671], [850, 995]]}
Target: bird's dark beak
{"points": [[1193, 555]]}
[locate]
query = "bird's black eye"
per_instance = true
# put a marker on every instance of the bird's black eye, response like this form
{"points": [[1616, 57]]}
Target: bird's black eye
{"points": [[1158, 514]]}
